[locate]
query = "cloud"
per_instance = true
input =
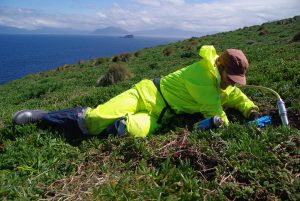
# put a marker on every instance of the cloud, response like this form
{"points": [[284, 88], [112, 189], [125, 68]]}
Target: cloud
{"points": [[101, 15], [215, 16], [33, 19], [25, 18], [223, 15], [157, 3], [149, 2]]}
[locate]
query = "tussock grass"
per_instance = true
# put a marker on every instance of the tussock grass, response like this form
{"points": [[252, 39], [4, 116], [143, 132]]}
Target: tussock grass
{"points": [[123, 57], [99, 61], [117, 72], [296, 37], [177, 163], [168, 51]]}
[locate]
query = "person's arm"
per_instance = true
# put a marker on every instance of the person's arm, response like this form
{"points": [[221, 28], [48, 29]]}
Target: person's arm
{"points": [[208, 99], [233, 97]]}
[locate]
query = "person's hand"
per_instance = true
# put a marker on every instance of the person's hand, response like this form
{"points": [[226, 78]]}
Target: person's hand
{"points": [[254, 115]]}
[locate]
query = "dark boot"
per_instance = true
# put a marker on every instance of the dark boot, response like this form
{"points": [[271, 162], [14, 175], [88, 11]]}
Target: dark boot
{"points": [[28, 116]]}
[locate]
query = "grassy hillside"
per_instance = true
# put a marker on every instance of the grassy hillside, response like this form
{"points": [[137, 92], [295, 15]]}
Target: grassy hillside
{"points": [[175, 164]]}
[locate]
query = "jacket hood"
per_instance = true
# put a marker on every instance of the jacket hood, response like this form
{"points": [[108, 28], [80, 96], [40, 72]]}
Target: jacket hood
{"points": [[209, 53]]}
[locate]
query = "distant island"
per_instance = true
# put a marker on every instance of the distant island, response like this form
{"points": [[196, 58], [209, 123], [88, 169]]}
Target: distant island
{"points": [[111, 31], [107, 31], [128, 36]]}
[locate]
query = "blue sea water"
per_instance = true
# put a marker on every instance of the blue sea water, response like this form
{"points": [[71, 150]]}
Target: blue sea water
{"points": [[25, 54]]}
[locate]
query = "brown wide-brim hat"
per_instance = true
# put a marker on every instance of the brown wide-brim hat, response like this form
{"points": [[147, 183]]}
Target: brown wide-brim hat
{"points": [[236, 64]]}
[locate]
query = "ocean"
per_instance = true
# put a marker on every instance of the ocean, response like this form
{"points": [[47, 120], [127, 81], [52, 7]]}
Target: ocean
{"points": [[21, 55]]}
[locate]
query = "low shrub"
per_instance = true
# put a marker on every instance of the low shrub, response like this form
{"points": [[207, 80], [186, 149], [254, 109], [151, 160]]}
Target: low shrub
{"points": [[1, 126], [192, 44], [39, 90], [296, 37], [154, 66], [137, 54], [262, 30], [64, 67], [122, 57], [99, 61], [187, 54], [168, 51], [81, 62], [117, 72], [286, 21], [250, 42]]}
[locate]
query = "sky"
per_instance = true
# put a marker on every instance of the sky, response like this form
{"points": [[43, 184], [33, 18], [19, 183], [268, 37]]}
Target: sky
{"points": [[136, 15]]}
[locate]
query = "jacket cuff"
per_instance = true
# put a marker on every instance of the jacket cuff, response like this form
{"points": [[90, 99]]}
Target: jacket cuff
{"points": [[250, 110]]}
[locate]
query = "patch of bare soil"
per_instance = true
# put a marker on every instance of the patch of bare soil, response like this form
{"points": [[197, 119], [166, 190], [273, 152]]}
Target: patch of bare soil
{"points": [[293, 117]]}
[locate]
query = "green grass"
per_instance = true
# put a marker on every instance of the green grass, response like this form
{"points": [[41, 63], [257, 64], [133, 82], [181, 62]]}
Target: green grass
{"points": [[177, 163]]}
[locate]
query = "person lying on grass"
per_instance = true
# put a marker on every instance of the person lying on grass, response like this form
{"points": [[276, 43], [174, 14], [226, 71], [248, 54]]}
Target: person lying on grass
{"points": [[205, 86]]}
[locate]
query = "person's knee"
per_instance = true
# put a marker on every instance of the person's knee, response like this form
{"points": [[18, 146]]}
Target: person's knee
{"points": [[141, 124]]}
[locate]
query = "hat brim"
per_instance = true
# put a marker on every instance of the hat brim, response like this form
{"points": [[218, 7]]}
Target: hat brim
{"points": [[239, 79]]}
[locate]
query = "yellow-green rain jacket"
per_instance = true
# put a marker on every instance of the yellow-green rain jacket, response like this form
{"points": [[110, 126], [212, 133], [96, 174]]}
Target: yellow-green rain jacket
{"points": [[195, 88]]}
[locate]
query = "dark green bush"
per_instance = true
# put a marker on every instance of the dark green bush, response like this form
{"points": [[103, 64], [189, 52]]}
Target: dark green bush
{"points": [[137, 53], [262, 30], [187, 54], [38, 90], [286, 21], [191, 45], [122, 57], [153, 65], [99, 61], [168, 51], [296, 37]]}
